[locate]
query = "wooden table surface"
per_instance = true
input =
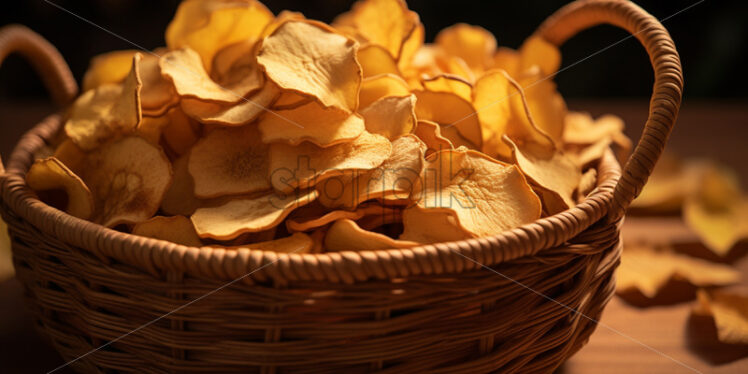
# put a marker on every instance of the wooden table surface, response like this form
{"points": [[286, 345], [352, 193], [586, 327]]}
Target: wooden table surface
{"points": [[628, 340]]}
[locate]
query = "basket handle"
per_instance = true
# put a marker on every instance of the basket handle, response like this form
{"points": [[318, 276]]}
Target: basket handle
{"points": [[668, 84], [46, 60]]}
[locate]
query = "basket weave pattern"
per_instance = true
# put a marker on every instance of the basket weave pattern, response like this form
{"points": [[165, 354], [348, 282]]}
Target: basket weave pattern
{"points": [[521, 301]]}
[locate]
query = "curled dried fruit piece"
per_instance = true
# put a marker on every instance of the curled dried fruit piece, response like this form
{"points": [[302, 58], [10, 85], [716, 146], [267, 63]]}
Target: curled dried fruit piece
{"points": [[346, 235], [391, 116], [128, 179], [473, 44], [229, 161], [552, 171], [387, 23], [290, 100], [247, 214], [730, 312], [468, 194], [242, 113], [191, 80], [535, 51], [379, 86], [648, 270], [375, 60], [296, 243], [108, 68], [430, 133], [547, 106], [208, 26], [107, 111], [51, 174], [176, 229], [312, 59], [449, 83], [180, 198], [396, 178], [310, 122], [157, 92], [306, 164], [450, 111]]}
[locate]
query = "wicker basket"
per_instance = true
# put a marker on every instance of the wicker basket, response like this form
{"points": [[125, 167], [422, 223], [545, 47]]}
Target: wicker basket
{"points": [[521, 301]]}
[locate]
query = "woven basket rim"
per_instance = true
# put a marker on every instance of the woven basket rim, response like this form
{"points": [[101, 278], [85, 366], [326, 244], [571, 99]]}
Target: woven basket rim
{"points": [[155, 254]]}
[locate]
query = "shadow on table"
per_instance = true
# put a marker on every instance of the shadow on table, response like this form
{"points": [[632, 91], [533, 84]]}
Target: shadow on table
{"points": [[701, 339]]}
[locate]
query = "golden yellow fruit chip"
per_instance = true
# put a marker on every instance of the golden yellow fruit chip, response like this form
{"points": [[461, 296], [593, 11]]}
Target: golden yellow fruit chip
{"points": [[450, 111], [398, 178], [730, 312], [719, 228], [208, 26], [391, 116], [469, 192], [247, 214], [550, 170], [506, 59], [667, 186], [648, 270], [546, 105], [375, 60], [312, 59], [502, 108], [239, 114], [537, 52], [412, 43], [580, 128], [150, 128], [191, 80], [473, 44], [449, 83], [105, 112], [128, 179], [387, 23], [50, 174], [296, 243], [290, 100], [311, 223], [429, 132], [70, 155], [157, 92], [310, 122], [379, 86], [176, 229], [306, 164], [180, 198], [346, 235], [229, 161], [108, 68], [179, 133]]}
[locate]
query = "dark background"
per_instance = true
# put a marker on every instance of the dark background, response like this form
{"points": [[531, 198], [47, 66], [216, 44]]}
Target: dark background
{"points": [[711, 37]]}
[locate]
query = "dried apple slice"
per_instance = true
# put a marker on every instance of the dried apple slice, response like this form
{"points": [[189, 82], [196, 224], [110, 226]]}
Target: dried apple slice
{"points": [[412, 43], [537, 52], [391, 116], [176, 229], [387, 23], [229, 161], [128, 179], [157, 92], [429, 132], [546, 105], [51, 174], [306, 164], [290, 100], [449, 110], [184, 69], [506, 59], [247, 214], [729, 309], [180, 133], [108, 68], [647, 269], [312, 59], [449, 83], [239, 114], [375, 60], [295, 243], [473, 44], [346, 235], [469, 192], [396, 178], [108, 111], [315, 221], [70, 155], [208, 26], [180, 198], [311, 122], [379, 86], [551, 170]]}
